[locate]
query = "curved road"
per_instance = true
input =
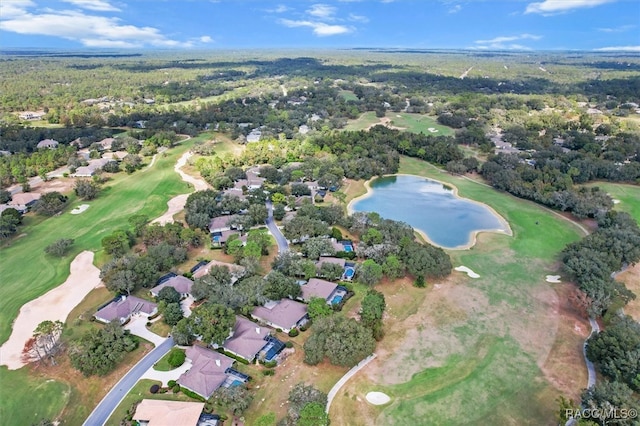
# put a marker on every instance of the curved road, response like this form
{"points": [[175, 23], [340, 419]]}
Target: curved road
{"points": [[591, 370], [283, 244], [334, 390], [109, 403]]}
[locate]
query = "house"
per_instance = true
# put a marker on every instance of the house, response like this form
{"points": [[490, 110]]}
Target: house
{"points": [[344, 245], [303, 130], [155, 412], [318, 288], [237, 271], [124, 307], [22, 201], [336, 260], [247, 339], [219, 239], [48, 143], [106, 143], [221, 223], [181, 284], [254, 136], [91, 169], [207, 373], [28, 115], [284, 314]]}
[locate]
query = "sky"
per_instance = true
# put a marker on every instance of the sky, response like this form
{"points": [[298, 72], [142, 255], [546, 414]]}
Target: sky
{"points": [[599, 25]]}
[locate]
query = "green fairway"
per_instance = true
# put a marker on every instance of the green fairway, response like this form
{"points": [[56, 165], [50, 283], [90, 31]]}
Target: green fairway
{"points": [[27, 400], [363, 122], [419, 123], [28, 273], [628, 195], [488, 344], [348, 95]]}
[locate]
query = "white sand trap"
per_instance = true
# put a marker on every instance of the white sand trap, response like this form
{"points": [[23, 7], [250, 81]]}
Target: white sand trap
{"points": [[80, 209], [615, 201], [432, 130], [399, 116], [378, 398], [467, 271], [553, 279], [55, 305]]}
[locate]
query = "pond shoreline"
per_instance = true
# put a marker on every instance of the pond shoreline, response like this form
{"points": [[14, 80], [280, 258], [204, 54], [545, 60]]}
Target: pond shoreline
{"points": [[473, 234]]}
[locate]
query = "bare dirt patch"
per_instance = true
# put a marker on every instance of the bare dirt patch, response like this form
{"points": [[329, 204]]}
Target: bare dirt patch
{"points": [[55, 305], [631, 278]]}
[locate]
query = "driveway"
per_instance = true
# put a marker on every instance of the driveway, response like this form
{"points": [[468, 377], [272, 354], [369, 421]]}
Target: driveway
{"points": [[109, 403], [138, 326], [165, 376], [185, 304], [283, 244]]}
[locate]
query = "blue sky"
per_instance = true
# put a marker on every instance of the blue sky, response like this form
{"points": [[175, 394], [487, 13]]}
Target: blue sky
{"points": [[227, 24]]}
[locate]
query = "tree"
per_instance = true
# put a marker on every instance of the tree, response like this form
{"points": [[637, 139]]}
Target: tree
{"points": [[318, 308], [172, 313], [138, 222], [117, 243], [258, 213], [234, 398], [182, 333], [169, 295], [369, 273], [213, 322], [392, 267], [50, 203], [5, 196], [343, 340], [607, 396], [313, 248], [59, 247], [300, 396], [279, 286], [278, 211], [99, 350], [262, 239], [176, 357], [45, 343], [8, 224], [86, 189], [331, 271], [313, 414], [373, 306]]}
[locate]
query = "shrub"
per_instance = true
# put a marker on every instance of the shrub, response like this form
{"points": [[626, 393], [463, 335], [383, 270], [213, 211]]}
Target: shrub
{"points": [[293, 332], [176, 357], [171, 383], [270, 364], [192, 394], [236, 357], [269, 372], [149, 323], [175, 388], [420, 283], [59, 248], [288, 344], [305, 327], [154, 389]]}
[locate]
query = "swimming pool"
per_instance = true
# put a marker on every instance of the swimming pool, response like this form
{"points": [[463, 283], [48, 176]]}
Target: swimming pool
{"points": [[349, 272], [348, 248], [336, 299]]}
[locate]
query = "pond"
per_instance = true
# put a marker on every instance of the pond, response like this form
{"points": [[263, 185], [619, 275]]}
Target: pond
{"points": [[430, 207]]}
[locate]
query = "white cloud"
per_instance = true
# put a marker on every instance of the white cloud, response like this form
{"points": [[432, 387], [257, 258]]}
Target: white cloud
{"points": [[455, 9], [97, 5], [205, 39], [90, 30], [322, 11], [619, 49], [505, 42], [552, 7], [12, 8], [620, 29], [319, 28], [358, 18]]}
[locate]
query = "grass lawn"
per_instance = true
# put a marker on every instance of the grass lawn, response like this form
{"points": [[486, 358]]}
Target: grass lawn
{"points": [[363, 122], [348, 95], [475, 350], [419, 123], [163, 363], [27, 399], [629, 196], [28, 273]]}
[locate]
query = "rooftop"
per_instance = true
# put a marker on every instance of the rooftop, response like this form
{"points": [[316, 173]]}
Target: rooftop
{"points": [[285, 314], [168, 413], [317, 288]]}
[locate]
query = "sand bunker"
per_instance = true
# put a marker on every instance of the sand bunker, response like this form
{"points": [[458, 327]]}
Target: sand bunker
{"points": [[432, 130], [378, 398], [553, 279], [615, 201], [467, 271], [55, 305], [80, 209]]}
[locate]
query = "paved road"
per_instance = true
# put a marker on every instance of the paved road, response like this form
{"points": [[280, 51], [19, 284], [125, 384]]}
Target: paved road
{"points": [[334, 390], [109, 403], [283, 244], [591, 370]]}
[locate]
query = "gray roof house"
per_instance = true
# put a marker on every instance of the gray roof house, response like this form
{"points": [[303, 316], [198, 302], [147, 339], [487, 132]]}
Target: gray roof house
{"points": [[125, 307], [247, 339], [336, 260], [93, 166], [48, 143], [23, 200], [237, 271], [181, 284], [221, 223], [318, 288], [207, 373], [284, 314]]}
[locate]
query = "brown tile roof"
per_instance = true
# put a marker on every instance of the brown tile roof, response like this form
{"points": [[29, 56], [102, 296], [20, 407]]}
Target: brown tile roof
{"points": [[24, 198], [336, 260], [168, 413], [317, 288], [207, 372], [125, 307], [181, 284], [220, 222], [247, 339], [236, 270], [284, 314]]}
